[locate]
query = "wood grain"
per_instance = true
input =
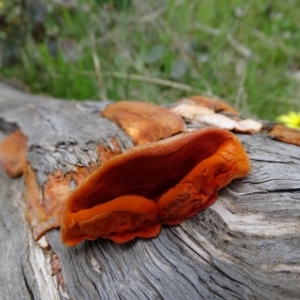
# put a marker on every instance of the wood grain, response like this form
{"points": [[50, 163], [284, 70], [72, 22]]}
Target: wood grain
{"points": [[245, 246]]}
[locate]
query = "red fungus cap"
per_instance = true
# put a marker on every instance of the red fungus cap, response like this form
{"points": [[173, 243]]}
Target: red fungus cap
{"points": [[134, 193]]}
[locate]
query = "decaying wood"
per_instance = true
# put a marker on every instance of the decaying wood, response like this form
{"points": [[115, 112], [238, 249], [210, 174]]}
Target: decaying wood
{"points": [[245, 246]]}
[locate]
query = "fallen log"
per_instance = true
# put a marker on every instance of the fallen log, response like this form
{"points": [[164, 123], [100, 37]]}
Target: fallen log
{"points": [[245, 246]]}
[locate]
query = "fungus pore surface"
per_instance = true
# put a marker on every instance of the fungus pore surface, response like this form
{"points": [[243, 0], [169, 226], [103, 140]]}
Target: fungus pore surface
{"points": [[165, 182]]}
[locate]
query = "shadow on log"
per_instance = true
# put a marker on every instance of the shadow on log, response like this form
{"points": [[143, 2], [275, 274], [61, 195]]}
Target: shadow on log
{"points": [[244, 246]]}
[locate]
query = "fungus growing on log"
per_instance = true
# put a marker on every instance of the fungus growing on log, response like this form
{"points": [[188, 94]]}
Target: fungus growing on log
{"points": [[44, 204], [165, 182], [285, 134], [198, 114], [13, 153], [144, 122], [214, 104]]}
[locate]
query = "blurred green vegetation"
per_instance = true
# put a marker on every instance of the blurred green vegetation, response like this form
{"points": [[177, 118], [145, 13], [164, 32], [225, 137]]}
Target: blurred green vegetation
{"points": [[246, 52]]}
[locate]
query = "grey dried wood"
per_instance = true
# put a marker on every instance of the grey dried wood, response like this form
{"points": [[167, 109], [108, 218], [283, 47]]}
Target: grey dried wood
{"points": [[245, 246]]}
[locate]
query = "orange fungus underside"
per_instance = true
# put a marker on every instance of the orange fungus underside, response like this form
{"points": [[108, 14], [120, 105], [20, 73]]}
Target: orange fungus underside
{"points": [[165, 182]]}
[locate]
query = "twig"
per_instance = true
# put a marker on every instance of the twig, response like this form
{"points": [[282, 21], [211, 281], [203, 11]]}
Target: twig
{"points": [[242, 50], [275, 43], [242, 72], [144, 19], [208, 29], [102, 91], [153, 15], [152, 80]]}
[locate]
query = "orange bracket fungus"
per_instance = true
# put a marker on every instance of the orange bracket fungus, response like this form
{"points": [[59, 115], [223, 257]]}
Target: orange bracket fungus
{"points": [[133, 194], [210, 112], [214, 104], [44, 205], [13, 153], [144, 122], [285, 134], [44, 202]]}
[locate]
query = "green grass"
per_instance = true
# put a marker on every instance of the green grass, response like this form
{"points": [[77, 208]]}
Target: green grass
{"points": [[246, 52]]}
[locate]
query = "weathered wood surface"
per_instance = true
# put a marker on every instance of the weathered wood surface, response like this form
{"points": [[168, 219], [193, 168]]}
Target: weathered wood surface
{"points": [[245, 246]]}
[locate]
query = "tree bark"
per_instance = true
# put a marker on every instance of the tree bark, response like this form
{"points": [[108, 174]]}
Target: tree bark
{"points": [[245, 246]]}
